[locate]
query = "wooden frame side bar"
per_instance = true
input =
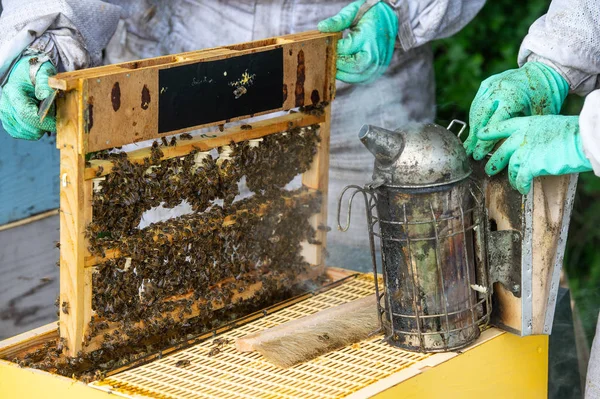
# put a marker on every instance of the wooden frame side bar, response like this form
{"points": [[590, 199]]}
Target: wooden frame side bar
{"points": [[75, 214]]}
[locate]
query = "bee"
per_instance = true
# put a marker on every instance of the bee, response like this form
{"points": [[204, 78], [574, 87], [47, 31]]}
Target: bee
{"points": [[57, 244], [214, 351], [185, 136], [239, 91], [99, 375], [246, 127], [183, 363], [173, 141], [220, 342], [65, 307], [164, 141], [99, 171]]}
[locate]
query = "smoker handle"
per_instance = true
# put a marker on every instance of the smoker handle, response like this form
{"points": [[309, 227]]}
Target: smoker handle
{"points": [[458, 122], [357, 189], [365, 191]]}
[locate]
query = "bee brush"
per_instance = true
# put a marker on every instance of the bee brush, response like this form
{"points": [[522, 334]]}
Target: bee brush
{"points": [[311, 336]]}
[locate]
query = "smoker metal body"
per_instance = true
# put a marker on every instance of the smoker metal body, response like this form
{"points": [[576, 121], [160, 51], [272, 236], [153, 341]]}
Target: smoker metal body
{"points": [[431, 224]]}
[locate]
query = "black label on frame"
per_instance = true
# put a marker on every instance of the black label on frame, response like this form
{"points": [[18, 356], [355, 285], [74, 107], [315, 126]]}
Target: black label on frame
{"points": [[212, 91]]}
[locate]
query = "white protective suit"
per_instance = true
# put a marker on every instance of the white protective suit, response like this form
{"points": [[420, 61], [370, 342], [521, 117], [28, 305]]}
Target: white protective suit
{"points": [[76, 32], [568, 39]]}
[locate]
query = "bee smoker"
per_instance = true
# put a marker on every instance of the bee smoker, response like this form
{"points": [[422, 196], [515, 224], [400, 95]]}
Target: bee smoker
{"points": [[430, 222]]}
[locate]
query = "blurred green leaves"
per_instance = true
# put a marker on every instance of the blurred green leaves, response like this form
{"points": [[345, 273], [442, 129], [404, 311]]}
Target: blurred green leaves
{"points": [[490, 45]]}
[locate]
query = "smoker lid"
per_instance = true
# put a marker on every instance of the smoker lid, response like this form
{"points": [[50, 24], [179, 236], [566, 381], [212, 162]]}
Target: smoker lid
{"points": [[416, 155]]}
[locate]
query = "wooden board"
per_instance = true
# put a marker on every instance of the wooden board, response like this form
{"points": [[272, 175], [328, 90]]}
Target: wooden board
{"points": [[552, 206], [121, 102], [28, 174], [317, 178], [504, 211], [75, 215], [30, 279], [541, 219]]}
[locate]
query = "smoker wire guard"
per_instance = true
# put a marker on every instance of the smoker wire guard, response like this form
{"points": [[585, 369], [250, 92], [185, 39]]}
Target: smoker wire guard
{"points": [[482, 287]]}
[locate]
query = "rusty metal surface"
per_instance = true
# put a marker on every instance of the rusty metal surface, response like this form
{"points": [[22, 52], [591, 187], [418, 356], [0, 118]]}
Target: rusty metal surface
{"points": [[435, 295], [504, 255]]}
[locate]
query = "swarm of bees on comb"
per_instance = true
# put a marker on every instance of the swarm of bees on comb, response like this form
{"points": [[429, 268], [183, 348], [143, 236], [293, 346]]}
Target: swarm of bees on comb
{"points": [[187, 275]]}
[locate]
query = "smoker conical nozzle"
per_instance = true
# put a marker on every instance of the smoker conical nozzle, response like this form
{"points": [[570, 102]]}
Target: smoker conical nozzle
{"points": [[384, 144]]}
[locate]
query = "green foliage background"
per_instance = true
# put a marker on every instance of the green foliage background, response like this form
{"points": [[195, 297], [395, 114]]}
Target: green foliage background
{"points": [[489, 45]]}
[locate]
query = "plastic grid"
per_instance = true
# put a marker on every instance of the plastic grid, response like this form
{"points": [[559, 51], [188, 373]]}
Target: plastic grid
{"points": [[230, 374]]}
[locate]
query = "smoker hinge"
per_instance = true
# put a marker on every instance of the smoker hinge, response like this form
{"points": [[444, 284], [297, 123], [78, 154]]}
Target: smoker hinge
{"points": [[504, 252]]}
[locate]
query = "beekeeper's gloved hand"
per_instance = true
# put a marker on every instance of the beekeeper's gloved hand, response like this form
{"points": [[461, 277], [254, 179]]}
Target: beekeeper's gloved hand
{"points": [[535, 146], [533, 89], [366, 52], [21, 97]]}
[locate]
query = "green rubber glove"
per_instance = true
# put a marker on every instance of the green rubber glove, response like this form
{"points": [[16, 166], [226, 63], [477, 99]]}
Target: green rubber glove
{"points": [[20, 100], [367, 51], [533, 89], [536, 146]]}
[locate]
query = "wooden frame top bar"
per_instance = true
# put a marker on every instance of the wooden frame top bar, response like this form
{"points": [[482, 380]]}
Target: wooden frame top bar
{"points": [[147, 99]]}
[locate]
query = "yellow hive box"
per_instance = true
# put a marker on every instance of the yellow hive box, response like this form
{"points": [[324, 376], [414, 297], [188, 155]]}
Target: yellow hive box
{"points": [[498, 365]]}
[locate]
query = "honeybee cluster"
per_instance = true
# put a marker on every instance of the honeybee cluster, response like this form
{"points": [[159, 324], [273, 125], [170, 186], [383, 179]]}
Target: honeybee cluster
{"points": [[174, 280], [117, 351], [190, 254], [186, 267]]}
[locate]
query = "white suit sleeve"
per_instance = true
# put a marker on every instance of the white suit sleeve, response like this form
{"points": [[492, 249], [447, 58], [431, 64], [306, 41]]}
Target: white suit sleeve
{"points": [[421, 21], [568, 39], [589, 128], [73, 32]]}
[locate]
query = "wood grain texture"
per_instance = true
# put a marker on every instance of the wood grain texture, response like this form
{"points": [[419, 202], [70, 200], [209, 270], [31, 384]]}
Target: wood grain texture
{"points": [[306, 80], [30, 279], [27, 341], [548, 209], [75, 214], [317, 178], [28, 177], [504, 208], [31, 219]]}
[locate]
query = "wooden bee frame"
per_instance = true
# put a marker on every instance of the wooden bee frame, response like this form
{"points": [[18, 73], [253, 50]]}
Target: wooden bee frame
{"points": [[115, 105]]}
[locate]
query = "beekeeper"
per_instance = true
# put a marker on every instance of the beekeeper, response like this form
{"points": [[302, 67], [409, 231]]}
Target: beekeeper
{"points": [[389, 38], [560, 54]]}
